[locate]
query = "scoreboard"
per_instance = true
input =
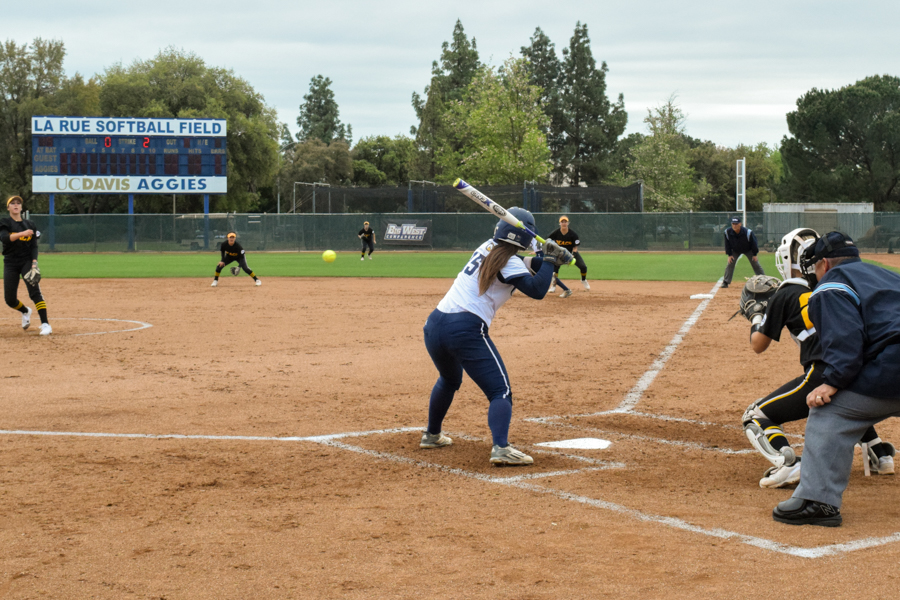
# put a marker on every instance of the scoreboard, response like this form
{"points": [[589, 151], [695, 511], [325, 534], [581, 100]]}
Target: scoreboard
{"points": [[91, 155]]}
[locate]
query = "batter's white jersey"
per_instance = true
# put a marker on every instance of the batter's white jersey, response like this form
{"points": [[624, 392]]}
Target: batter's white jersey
{"points": [[463, 295]]}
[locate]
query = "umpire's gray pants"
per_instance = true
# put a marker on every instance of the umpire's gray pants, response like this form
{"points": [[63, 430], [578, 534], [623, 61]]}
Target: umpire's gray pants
{"points": [[729, 268], [831, 432]]}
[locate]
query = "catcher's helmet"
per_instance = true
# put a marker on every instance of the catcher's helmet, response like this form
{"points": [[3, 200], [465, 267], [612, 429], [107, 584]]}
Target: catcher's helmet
{"points": [[504, 232], [789, 252]]}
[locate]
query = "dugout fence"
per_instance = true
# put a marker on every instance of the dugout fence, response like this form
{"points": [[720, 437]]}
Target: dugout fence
{"points": [[874, 232]]}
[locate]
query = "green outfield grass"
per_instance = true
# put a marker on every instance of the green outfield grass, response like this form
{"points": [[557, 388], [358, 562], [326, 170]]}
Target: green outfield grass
{"points": [[643, 266], [601, 265]]}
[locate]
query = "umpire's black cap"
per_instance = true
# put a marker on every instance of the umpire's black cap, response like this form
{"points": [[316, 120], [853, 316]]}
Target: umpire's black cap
{"points": [[735, 220], [833, 244]]}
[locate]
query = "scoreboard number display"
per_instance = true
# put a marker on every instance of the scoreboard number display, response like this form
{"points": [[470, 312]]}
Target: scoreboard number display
{"points": [[97, 155]]}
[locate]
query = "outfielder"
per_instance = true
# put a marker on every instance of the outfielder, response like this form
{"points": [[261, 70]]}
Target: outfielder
{"points": [[568, 239], [456, 332], [233, 252], [788, 307], [20, 259], [368, 240]]}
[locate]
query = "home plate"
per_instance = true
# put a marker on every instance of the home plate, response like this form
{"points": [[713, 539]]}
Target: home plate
{"points": [[578, 444], [701, 296]]}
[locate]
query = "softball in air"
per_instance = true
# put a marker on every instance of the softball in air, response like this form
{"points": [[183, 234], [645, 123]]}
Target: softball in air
{"points": [[329, 255]]}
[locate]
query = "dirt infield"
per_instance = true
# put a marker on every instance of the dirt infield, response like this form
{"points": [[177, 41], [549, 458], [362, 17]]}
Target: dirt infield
{"points": [[345, 504]]}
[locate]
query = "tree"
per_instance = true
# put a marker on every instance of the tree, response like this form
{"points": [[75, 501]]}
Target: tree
{"points": [[714, 168], [315, 161], [381, 160], [178, 84], [844, 145], [500, 125], [449, 80], [319, 115], [29, 77], [545, 70], [661, 161], [592, 124]]}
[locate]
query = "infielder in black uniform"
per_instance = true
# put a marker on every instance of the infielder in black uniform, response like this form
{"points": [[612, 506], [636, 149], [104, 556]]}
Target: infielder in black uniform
{"points": [[20, 258], [763, 419], [233, 252], [568, 239], [367, 235]]}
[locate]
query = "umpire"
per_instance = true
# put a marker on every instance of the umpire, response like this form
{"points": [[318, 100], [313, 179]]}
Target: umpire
{"points": [[856, 310], [740, 240]]}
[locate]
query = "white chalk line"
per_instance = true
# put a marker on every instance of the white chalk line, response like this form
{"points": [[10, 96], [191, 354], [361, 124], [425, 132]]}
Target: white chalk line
{"points": [[519, 482], [141, 325], [178, 436]]}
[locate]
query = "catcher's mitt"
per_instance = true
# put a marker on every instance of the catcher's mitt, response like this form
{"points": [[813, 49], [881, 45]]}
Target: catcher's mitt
{"points": [[755, 297], [235, 270], [556, 255], [32, 277]]}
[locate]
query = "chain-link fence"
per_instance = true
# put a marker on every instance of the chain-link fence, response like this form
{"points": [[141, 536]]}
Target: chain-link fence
{"points": [[876, 232]]}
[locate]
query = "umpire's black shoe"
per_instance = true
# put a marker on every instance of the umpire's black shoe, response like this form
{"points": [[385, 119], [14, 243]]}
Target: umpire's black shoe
{"points": [[724, 285], [797, 511]]}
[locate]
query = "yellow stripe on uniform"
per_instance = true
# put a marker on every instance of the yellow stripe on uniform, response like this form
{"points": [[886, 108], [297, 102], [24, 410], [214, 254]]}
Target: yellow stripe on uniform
{"points": [[804, 309], [41, 305], [785, 395]]}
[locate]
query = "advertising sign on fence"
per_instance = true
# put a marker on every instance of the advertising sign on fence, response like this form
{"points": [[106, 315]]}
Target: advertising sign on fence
{"points": [[408, 232]]}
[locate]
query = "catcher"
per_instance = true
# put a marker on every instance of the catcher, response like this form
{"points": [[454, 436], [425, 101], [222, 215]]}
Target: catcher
{"points": [[771, 306], [20, 259], [231, 252]]}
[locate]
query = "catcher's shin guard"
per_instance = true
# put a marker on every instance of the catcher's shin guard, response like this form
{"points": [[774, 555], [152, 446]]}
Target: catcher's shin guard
{"points": [[758, 440]]}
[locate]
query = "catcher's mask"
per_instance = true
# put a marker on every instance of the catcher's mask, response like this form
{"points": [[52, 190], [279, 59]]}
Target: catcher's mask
{"points": [[788, 255], [504, 232], [831, 245]]}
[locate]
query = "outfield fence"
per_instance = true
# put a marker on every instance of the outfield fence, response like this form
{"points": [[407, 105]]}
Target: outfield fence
{"points": [[876, 232]]}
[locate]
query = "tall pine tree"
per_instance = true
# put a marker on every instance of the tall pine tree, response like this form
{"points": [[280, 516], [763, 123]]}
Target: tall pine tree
{"points": [[592, 125], [450, 77], [545, 70], [319, 116]]}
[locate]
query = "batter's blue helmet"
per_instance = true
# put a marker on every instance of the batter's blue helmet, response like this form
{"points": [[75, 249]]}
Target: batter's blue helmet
{"points": [[504, 232]]}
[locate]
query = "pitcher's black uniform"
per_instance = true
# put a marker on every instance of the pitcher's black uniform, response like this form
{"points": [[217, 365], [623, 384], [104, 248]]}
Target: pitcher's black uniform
{"points": [[18, 257], [570, 242]]}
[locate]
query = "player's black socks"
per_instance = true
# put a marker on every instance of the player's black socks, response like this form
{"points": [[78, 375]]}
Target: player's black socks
{"points": [[774, 434], [253, 275], [21, 308], [42, 310]]}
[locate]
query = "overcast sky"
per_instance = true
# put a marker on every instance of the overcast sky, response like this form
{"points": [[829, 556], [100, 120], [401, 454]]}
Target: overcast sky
{"points": [[736, 68]]}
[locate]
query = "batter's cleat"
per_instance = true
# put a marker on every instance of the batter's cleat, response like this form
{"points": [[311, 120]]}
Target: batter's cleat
{"points": [[552, 288], [797, 511], [509, 456], [776, 477], [46, 329], [566, 294], [434, 440], [724, 285], [258, 282], [214, 284], [587, 286], [26, 319]]}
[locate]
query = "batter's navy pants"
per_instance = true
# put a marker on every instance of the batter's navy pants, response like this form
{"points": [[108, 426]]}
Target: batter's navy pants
{"points": [[460, 342]]}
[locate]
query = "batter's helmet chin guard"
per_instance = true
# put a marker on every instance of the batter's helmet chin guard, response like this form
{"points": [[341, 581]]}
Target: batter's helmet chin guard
{"points": [[791, 249], [504, 232]]}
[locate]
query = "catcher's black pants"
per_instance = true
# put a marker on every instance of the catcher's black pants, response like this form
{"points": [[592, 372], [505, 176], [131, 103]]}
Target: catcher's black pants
{"points": [[12, 271], [370, 244], [240, 260], [788, 403], [579, 262]]}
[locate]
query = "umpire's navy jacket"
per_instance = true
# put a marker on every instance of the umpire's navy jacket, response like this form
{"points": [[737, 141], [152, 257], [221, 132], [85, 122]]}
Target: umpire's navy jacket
{"points": [[740, 243], [856, 311]]}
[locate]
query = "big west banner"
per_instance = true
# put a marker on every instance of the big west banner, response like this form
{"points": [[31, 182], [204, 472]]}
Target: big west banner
{"points": [[408, 232]]}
